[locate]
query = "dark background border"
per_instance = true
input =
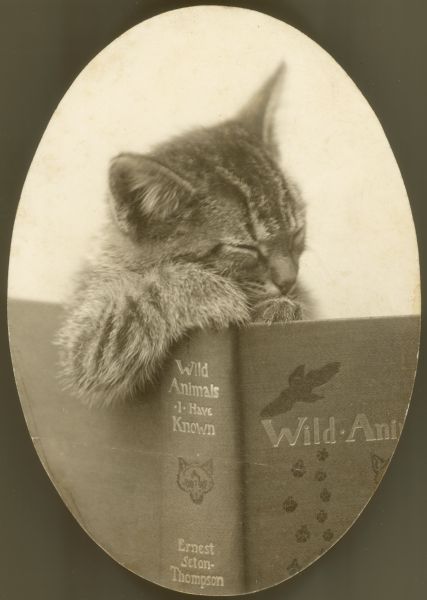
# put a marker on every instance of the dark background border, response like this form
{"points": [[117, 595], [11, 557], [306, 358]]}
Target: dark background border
{"points": [[44, 44]]}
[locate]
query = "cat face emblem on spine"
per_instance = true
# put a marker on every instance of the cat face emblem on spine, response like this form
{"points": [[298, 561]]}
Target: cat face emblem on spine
{"points": [[195, 479], [205, 231]]}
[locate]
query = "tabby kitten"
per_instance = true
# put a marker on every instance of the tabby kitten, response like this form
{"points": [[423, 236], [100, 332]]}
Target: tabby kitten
{"points": [[205, 232]]}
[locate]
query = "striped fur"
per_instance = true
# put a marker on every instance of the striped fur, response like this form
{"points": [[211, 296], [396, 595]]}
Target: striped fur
{"points": [[120, 329]]}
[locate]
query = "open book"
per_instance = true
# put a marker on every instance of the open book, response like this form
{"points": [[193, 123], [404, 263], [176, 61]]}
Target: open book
{"points": [[274, 439], [257, 451]]}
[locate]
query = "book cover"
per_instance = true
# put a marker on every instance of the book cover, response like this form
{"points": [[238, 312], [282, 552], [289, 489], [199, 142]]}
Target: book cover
{"points": [[278, 436], [257, 451], [324, 405]]}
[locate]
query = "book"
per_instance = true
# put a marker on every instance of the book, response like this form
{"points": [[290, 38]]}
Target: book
{"points": [[274, 439], [257, 451]]}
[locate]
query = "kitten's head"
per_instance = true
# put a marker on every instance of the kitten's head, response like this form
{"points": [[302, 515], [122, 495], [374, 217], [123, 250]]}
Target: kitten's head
{"points": [[217, 196]]}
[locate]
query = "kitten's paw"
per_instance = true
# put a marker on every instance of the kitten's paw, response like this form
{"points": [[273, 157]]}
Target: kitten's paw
{"points": [[276, 310]]}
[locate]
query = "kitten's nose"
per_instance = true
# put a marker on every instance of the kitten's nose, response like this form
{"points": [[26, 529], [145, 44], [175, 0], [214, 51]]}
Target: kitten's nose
{"points": [[283, 272]]}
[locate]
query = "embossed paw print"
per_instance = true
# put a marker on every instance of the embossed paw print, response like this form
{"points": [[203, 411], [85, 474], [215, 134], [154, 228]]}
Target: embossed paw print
{"points": [[379, 465], [325, 495], [299, 469], [328, 535], [294, 567], [322, 454], [289, 504], [321, 516], [320, 475], [303, 534]]}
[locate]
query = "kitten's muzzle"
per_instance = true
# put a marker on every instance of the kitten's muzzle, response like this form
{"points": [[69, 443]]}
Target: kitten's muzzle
{"points": [[283, 273], [273, 291]]}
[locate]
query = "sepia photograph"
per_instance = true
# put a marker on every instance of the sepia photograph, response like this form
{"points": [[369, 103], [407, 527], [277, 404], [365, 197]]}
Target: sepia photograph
{"points": [[214, 300]]}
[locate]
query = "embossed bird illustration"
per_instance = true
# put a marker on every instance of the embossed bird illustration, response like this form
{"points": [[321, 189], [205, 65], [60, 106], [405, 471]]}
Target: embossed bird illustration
{"points": [[300, 388]]}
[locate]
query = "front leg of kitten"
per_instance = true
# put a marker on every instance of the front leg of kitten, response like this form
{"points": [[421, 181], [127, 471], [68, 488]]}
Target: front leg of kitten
{"points": [[121, 326], [276, 310]]}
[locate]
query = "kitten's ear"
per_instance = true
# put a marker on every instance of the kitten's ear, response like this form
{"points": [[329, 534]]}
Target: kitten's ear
{"points": [[142, 188], [258, 114]]}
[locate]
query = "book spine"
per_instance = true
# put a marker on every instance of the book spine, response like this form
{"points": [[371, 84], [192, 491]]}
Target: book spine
{"points": [[202, 506]]}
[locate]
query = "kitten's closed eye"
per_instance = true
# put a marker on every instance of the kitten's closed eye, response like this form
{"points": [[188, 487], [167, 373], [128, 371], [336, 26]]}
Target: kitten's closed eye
{"points": [[246, 252], [247, 248], [237, 250]]}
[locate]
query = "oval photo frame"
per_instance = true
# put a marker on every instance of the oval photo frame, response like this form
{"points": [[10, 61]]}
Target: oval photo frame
{"points": [[229, 472]]}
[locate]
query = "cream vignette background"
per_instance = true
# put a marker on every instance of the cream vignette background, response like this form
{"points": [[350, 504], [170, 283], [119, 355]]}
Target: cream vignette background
{"points": [[197, 67]]}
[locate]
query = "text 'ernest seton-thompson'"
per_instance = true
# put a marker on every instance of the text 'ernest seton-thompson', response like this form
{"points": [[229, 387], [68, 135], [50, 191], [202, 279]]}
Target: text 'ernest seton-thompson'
{"points": [[199, 558]]}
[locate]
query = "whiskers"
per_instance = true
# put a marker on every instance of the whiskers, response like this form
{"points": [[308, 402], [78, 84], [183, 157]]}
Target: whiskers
{"points": [[255, 292]]}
